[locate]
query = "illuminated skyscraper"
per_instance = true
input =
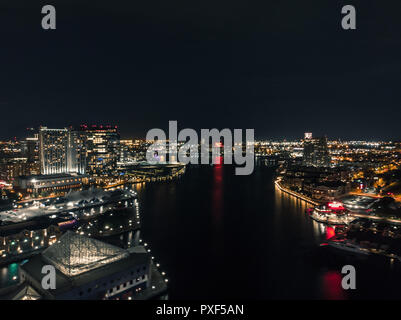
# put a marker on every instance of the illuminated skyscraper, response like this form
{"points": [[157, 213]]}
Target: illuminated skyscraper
{"points": [[53, 150], [61, 151], [29, 148], [103, 146], [316, 153], [76, 152]]}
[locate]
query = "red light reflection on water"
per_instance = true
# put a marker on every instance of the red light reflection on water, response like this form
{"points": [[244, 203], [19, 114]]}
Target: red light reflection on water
{"points": [[217, 189], [218, 161], [331, 286], [330, 232]]}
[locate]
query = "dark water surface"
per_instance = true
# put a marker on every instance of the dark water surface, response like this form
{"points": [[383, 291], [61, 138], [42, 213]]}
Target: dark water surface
{"points": [[224, 236]]}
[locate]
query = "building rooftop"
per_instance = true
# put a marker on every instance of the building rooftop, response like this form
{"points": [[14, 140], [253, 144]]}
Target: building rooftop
{"points": [[80, 261], [74, 254], [27, 293]]}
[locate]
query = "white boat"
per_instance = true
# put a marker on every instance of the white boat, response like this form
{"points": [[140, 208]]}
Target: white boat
{"points": [[349, 246], [331, 213]]}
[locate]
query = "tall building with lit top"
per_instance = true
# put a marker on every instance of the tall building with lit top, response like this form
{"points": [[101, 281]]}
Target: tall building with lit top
{"points": [[53, 150], [316, 153], [62, 151]]}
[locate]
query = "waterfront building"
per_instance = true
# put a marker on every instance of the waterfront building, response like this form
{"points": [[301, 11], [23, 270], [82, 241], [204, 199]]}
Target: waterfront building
{"points": [[145, 171], [46, 184], [91, 269], [326, 191]]}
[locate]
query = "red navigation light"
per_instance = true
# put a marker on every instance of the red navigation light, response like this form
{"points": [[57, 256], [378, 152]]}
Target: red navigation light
{"points": [[335, 205]]}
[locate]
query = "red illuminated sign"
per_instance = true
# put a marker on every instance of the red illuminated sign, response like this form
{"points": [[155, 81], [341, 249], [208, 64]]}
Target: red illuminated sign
{"points": [[335, 205]]}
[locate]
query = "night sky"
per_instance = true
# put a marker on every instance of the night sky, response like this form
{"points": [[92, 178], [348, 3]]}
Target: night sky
{"points": [[280, 67]]}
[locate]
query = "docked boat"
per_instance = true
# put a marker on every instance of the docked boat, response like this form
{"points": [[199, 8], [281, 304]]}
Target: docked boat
{"points": [[362, 249], [67, 223], [333, 213], [349, 246]]}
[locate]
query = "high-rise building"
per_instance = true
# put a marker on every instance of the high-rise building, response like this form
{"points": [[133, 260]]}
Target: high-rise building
{"points": [[103, 148], [125, 152], [316, 152], [15, 167], [62, 151], [53, 150], [29, 148], [76, 152], [308, 135], [18, 158]]}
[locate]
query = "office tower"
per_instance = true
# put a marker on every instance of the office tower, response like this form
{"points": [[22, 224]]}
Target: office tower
{"points": [[125, 155], [308, 135], [13, 168], [103, 146], [15, 160], [316, 153], [53, 150], [62, 151], [76, 152], [29, 148]]}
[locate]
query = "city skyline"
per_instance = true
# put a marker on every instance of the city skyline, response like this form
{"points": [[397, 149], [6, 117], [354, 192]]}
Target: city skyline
{"points": [[30, 132]]}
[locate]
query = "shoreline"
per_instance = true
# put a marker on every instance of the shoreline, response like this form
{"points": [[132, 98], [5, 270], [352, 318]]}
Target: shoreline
{"points": [[310, 201], [295, 194]]}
